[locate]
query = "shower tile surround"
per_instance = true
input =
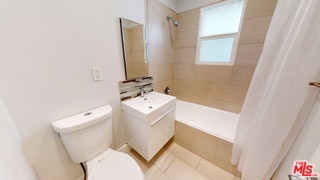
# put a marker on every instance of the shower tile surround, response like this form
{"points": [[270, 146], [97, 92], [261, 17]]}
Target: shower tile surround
{"points": [[173, 63], [161, 42], [222, 87]]}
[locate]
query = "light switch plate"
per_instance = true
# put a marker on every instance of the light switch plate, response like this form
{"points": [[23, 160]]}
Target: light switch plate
{"points": [[97, 73]]}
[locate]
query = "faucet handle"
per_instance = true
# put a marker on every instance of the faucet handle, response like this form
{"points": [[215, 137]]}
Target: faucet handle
{"points": [[167, 90]]}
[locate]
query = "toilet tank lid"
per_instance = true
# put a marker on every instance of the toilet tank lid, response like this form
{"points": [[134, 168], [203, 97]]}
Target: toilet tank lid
{"points": [[82, 120]]}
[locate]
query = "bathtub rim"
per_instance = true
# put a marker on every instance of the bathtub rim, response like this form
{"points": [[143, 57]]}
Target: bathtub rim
{"points": [[195, 125]]}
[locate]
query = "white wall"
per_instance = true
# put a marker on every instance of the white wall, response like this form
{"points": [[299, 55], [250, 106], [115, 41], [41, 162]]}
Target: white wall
{"points": [[305, 144], [47, 49]]}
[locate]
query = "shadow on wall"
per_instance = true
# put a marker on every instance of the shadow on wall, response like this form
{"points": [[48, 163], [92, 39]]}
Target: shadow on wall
{"points": [[13, 164]]}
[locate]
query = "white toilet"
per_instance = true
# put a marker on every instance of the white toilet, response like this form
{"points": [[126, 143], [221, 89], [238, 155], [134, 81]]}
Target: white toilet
{"points": [[87, 138]]}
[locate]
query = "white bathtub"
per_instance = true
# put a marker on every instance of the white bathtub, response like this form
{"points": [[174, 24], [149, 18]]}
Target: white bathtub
{"points": [[219, 123]]}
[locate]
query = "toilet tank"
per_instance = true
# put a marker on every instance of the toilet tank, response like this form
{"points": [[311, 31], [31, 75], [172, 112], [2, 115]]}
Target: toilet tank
{"points": [[87, 134]]}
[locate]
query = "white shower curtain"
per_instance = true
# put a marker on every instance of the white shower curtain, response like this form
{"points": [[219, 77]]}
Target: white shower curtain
{"points": [[279, 97]]}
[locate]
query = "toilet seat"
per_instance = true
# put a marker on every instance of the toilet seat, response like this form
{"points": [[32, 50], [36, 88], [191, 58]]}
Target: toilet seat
{"points": [[111, 165]]}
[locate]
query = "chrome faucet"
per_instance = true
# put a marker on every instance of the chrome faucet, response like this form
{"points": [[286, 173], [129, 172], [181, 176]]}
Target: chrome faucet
{"points": [[142, 91]]}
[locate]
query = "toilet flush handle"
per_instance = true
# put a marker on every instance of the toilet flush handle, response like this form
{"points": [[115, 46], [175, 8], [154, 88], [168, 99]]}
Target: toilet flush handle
{"points": [[317, 84]]}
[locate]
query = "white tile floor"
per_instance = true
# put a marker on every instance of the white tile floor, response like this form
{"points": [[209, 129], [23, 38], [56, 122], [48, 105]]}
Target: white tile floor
{"points": [[175, 162]]}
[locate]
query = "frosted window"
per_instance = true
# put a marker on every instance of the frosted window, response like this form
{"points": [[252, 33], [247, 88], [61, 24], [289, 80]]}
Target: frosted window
{"points": [[221, 19], [216, 50], [218, 37]]}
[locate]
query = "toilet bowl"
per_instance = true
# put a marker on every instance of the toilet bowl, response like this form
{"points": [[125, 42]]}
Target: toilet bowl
{"points": [[115, 164], [87, 138]]}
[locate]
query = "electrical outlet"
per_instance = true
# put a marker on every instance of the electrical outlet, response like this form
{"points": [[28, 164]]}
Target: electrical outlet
{"points": [[97, 73]]}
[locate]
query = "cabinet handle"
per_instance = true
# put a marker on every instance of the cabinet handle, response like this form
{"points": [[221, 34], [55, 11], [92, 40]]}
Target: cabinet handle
{"points": [[161, 117], [157, 120]]}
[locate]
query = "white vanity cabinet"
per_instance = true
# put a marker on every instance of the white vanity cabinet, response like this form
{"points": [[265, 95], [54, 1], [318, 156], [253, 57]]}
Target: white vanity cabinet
{"points": [[148, 138], [149, 122]]}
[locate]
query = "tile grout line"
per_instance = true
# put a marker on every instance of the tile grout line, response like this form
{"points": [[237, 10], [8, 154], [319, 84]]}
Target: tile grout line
{"points": [[198, 163], [170, 165], [201, 171], [183, 159]]}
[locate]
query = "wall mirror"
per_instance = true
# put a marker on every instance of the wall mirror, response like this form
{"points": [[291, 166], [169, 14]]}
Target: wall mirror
{"points": [[134, 48]]}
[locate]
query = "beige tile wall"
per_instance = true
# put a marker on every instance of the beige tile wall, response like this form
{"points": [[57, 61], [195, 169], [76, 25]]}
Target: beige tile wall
{"points": [[222, 87], [211, 148], [162, 41]]}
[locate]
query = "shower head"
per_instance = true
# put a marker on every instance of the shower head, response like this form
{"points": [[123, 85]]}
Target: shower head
{"points": [[175, 22]]}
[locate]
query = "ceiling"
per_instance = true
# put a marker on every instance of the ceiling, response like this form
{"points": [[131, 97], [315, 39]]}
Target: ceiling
{"points": [[184, 5]]}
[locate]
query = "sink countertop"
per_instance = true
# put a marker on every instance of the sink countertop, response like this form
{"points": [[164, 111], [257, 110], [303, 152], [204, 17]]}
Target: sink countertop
{"points": [[150, 106]]}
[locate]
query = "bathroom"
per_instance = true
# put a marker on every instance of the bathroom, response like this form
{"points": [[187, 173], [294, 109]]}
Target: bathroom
{"points": [[48, 50]]}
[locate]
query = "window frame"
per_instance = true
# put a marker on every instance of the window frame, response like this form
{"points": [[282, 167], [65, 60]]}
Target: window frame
{"points": [[235, 35]]}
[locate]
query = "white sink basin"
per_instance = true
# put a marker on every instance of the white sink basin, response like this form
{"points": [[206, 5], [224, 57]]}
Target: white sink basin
{"points": [[150, 106]]}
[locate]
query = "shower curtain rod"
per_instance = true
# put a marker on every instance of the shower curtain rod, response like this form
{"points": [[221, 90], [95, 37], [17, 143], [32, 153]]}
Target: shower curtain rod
{"points": [[317, 84]]}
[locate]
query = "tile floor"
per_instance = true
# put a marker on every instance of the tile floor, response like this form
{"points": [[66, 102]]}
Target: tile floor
{"points": [[175, 162]]}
